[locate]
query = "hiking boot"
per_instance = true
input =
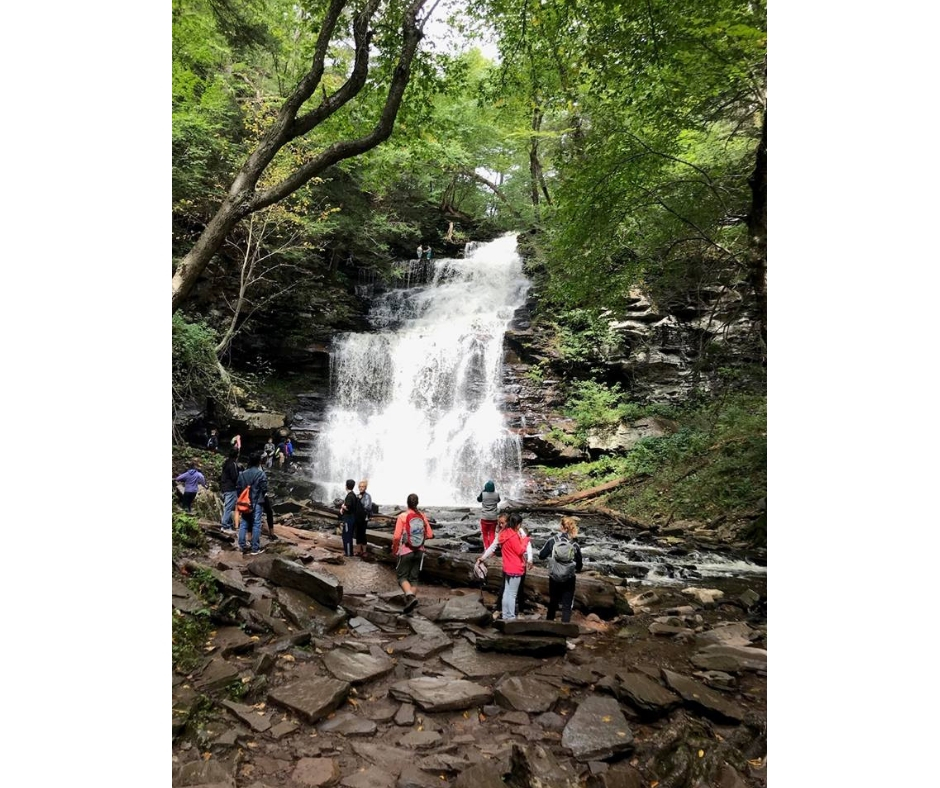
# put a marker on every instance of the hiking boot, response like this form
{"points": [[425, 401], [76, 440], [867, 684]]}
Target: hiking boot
{"points": [[411, 602], [259, 551], [225, 530]]}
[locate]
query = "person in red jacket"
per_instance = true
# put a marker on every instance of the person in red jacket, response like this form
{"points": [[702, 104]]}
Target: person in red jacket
{"points": [[513, 547], [412, 530]]}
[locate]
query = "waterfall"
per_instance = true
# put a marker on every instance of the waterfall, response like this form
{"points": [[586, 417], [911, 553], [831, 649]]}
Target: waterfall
{"points": [[415, 404]]}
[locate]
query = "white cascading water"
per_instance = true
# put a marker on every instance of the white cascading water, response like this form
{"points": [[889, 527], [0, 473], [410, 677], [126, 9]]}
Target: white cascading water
{"points": [[416, 404]]}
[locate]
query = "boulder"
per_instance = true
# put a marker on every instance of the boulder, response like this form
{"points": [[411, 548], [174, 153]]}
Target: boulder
{"points": [[316, 772], [648, 697], [306, 613], [466, 610], [534, 765]]}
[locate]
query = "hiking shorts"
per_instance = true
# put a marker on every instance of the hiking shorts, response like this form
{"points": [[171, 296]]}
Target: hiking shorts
{"points": [[408, 567]]}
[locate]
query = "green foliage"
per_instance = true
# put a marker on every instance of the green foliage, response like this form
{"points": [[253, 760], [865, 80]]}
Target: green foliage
{"points": [[195, 366], [190, 633], [186, 532], [714, 464], [203, 583], [583, 336]]}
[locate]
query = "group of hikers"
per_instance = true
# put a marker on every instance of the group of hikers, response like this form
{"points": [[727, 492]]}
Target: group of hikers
{"points": [[505, 532], [282, 453], [246, 503]]}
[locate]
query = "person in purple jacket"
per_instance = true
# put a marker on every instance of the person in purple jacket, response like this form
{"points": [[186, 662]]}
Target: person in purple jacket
{"points": [[191, 479]]}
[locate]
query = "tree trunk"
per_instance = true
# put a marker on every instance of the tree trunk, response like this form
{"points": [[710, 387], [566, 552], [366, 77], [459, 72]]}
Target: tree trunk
{"points": [[243, 197]]}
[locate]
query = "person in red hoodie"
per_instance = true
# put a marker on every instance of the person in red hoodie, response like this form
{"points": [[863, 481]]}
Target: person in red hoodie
{"points": [[513, 547], [412, 530]]}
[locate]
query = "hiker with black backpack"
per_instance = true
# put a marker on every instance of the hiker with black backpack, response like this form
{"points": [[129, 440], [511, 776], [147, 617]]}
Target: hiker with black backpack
{"points": [[412, 530], [564, 561]]}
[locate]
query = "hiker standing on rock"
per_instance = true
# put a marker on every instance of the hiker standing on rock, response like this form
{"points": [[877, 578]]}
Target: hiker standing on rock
{"points": [[347, 513], [490, 500], [191, 479], [501, 523], [516, 553], [363, 513], [564, 561], [228, 483], [257, 480], [412, 530]]}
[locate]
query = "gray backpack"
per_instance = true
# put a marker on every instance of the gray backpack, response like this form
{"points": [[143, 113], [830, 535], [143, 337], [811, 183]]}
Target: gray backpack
{"points": [[561, 563]]}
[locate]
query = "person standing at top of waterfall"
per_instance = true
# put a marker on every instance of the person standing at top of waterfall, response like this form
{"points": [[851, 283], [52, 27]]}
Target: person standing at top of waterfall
{"points": [[363, 513], [347, 513], [191, 479], [427, 253], [420, 251], [513, 548], [490, 500], [564, 561], [412, 530]]}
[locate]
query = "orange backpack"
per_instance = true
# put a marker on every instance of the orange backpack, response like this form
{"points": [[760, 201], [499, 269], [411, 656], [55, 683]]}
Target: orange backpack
{"points": [[243, 504]]}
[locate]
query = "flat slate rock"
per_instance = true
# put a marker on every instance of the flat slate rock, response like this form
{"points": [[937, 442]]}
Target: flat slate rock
{"points": [[730, 659], [597, 731], [421, 740], [232, 640], [527, 627], [186, 600], [483, 775], [421, 647], [465, 609], [253, 718], [525, 693], [421, 626], [348, 724], [737, 633], [708, 702], [441, 694], [356, 668], [529, 645], [475, 665], [316, 772], [648, 697], [373, 777], [216, 675], [326, 589], [312, 696], [380, 710], [305, 612], [382, 754]]}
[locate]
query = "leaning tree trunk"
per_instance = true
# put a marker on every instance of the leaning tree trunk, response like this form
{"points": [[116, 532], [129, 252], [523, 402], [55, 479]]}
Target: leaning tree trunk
{"points": [[243, 197]]}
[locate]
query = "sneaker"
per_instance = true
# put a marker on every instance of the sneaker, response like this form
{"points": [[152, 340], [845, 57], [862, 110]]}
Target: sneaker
{"points": [[411, 602], [225, 530], [259, 551]]}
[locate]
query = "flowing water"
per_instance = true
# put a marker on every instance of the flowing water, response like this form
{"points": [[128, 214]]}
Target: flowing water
{"points": [[416, 402], [415, 407]]}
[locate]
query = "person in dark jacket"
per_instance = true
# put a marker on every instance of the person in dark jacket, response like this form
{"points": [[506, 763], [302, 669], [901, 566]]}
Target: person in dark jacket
{"points": [[561, 592], [347, 513], [363, 513], [227, 482], [257, 480]]}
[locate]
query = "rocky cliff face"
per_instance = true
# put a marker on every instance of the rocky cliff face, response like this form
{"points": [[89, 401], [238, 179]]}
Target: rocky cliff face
{"points": [[654, 354]]}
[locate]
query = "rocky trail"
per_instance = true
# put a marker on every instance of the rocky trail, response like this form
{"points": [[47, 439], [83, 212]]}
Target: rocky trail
{"points": [[311, 676]]}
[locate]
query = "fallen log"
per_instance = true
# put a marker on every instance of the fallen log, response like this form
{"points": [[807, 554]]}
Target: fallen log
{"points": [[593, 492], [591, 594]]}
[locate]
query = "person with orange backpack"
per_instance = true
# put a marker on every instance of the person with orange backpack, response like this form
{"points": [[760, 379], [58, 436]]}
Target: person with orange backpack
{"points": [[252, 486], [412, 530]]}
